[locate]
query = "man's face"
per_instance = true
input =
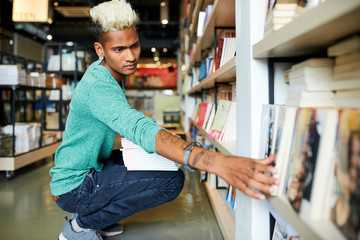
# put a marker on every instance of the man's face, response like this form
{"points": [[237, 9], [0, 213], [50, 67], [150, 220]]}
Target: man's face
{"points": [[121, 51]]}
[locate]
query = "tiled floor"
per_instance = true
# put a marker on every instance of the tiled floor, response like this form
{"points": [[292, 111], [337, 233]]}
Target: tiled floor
{"points": [[27, 211]]}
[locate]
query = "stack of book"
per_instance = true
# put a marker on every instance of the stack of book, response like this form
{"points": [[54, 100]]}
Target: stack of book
{"points": [[27, 136], [281, 13], [310, 83], [346, 72], [12, 75], [137, 159]]}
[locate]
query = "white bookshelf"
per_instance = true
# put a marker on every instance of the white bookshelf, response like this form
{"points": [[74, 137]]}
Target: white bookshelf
{"points": [[309, 34], [312, 31]]}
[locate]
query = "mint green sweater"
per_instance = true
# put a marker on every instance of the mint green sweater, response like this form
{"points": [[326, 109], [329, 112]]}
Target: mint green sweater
{"points": [[98, 109]]}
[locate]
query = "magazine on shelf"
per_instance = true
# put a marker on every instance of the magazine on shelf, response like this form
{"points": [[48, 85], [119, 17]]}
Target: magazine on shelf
{"points": [[343, 196]]}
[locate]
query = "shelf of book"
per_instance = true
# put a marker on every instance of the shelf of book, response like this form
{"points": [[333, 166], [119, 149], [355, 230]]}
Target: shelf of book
{"points": [[21, 160], [224, 213], [222, 15], [226, 73], [225, 147], [316, 29], [307, 228]]}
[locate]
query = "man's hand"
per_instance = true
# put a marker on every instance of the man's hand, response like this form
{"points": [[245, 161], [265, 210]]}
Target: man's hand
{"points": [[247, 174]]}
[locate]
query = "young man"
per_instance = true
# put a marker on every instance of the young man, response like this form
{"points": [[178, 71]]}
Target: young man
{"points": [[85, 182]]}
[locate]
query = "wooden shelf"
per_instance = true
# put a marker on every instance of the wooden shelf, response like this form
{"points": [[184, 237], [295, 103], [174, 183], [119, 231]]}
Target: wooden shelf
{"points": [[227, 73], [313, 31], [224, 213], [222, 15], [225, 147], [16, 162], [307, 228]]}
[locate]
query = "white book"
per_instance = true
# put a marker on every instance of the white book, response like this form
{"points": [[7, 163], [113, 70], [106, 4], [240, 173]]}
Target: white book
{"points": [[313, 207], [346, 84], [201, 23], [137, 159], [310, 102], [211, 119], [283, 155]]}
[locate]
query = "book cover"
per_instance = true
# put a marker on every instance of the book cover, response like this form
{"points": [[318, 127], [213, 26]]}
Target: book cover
{"points": [[202, 113], [284, 141], [266, 130], [308, 135], [229, 131], [211, 119], [310, 71], [312, 204], [220, 119], [345, 194]]}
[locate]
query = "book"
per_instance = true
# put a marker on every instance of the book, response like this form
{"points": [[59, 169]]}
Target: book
{"points": [[220, 119], [202, 113], [347, 98], [347, 67], [308, 136], [314, 62], [344, 47], [354, 74], [348, 58], [342, 206], [137, 159], [211, 119], [311, 71], [284, 141], [266, 130], [229, 131], [312, 203], [330, 102], [346, 84], [201, 23]]}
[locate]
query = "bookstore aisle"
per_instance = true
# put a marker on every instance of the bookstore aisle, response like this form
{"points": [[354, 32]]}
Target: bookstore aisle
{"points": [[28, 212]]}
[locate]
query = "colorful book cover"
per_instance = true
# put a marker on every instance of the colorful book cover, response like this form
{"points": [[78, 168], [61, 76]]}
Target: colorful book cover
{"points": [[308, 131], [345, 211], [220, 119], [202, 113]]}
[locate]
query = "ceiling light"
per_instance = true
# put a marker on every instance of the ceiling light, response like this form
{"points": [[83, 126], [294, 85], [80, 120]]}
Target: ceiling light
{"points": [[164, 12], [164, 49], [56, 4], [153, 49], [49, 37], [156, 59]]}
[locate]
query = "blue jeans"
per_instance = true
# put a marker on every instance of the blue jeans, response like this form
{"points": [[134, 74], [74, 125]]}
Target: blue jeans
{"points": [[110, 195]]}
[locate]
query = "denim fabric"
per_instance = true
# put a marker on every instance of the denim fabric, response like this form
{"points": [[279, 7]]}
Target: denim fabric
{"points": [[110, 195]]}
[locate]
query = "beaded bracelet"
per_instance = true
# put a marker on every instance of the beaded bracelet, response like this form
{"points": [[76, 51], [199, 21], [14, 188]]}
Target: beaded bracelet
{"points": [[187, 155]]}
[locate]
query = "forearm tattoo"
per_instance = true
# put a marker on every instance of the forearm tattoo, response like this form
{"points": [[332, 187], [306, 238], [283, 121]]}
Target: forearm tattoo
{"points": [[166, 137], [206, 157]]}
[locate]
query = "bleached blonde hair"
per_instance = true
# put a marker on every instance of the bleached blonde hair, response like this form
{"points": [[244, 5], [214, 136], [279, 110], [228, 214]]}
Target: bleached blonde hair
{"points": [[114, 15]]}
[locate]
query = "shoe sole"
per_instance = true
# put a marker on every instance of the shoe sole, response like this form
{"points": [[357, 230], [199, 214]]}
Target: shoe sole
{"points": [[61, 237], [109, 234]]}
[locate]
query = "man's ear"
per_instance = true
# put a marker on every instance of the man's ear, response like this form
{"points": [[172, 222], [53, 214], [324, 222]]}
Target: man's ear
{"points": [[99, 49]]}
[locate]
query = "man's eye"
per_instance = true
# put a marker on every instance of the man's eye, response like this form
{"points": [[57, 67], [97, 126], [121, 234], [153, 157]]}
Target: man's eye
{"points": [[136, 45]]}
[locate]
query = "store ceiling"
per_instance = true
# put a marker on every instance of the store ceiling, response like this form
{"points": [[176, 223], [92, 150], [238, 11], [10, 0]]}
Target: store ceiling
{"points": [[78, 28]]}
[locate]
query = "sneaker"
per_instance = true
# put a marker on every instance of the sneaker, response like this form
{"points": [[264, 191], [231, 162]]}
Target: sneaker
{"points": [[113, 230], [110, 231], [69, 234]]}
